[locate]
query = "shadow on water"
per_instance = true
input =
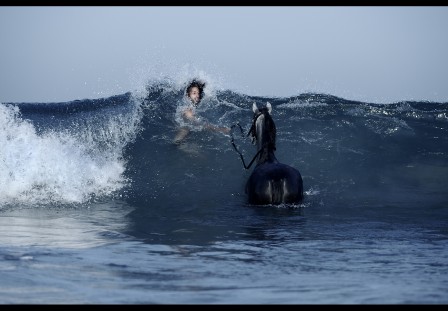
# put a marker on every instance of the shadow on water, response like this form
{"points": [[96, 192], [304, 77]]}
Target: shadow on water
{"points": [[194, 194]]}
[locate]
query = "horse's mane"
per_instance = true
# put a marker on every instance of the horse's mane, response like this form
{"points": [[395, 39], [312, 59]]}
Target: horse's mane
{"points": [[272, 130]]}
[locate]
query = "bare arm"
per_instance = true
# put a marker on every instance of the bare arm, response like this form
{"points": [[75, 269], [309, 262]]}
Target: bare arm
{"points": [[189, 116], [221, 129]]}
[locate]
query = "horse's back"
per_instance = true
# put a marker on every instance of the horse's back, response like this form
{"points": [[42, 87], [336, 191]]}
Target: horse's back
{"points": [[274, 183]]}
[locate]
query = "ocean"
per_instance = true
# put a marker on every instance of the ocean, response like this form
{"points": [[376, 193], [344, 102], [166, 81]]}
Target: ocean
{"points": [[98, 205]]}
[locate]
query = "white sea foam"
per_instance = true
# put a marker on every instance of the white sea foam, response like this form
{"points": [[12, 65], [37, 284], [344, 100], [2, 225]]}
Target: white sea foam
{"points": [[57, 166]]}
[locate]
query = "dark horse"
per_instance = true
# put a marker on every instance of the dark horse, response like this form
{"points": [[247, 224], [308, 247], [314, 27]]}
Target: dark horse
{"points": [[271, 182]]}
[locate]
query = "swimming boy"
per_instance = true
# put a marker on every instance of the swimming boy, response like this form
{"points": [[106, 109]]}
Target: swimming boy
{"points": [[195, 93]]}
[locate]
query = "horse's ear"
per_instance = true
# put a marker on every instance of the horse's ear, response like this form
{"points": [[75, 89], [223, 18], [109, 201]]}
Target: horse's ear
{"points": [[255, 108], [268, 105]]}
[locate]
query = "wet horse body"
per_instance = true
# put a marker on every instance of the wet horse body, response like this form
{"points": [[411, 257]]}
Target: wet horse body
{"points": [[271, 182]]}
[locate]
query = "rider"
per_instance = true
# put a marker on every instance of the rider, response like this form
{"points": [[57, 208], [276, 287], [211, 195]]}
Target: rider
{"points": [[194, 94]]}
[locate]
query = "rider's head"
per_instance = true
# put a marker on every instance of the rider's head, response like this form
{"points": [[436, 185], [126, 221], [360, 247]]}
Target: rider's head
{"points": [[195, 91]]}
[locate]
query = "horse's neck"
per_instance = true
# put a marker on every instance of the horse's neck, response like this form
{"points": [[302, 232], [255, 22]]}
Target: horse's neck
{"points": [[264, 145], [266, 155]]}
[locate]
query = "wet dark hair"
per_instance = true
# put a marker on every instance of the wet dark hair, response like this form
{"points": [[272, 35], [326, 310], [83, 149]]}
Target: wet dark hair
{"points": [[196, 83]]}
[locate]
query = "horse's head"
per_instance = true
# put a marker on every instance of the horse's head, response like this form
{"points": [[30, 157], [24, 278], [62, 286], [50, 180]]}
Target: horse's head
{"points": [[263, 130]]}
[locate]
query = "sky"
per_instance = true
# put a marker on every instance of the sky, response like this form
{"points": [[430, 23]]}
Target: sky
{"points": [[371, 54]]}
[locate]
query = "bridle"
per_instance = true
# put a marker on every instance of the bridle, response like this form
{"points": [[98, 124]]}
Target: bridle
{"points": [[252, 131]]}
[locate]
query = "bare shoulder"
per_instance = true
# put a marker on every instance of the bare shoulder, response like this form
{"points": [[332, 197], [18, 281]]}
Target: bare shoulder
{"points": [[188, 113]]}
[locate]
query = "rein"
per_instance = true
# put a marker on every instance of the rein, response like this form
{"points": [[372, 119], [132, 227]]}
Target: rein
{"points": [[236, 149]]}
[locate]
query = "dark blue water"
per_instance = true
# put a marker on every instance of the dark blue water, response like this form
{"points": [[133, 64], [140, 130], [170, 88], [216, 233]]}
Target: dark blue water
{"points": [[98, 205]]}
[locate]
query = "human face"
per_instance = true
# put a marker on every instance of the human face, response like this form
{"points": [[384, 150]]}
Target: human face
{"points": [[194, 94]]}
